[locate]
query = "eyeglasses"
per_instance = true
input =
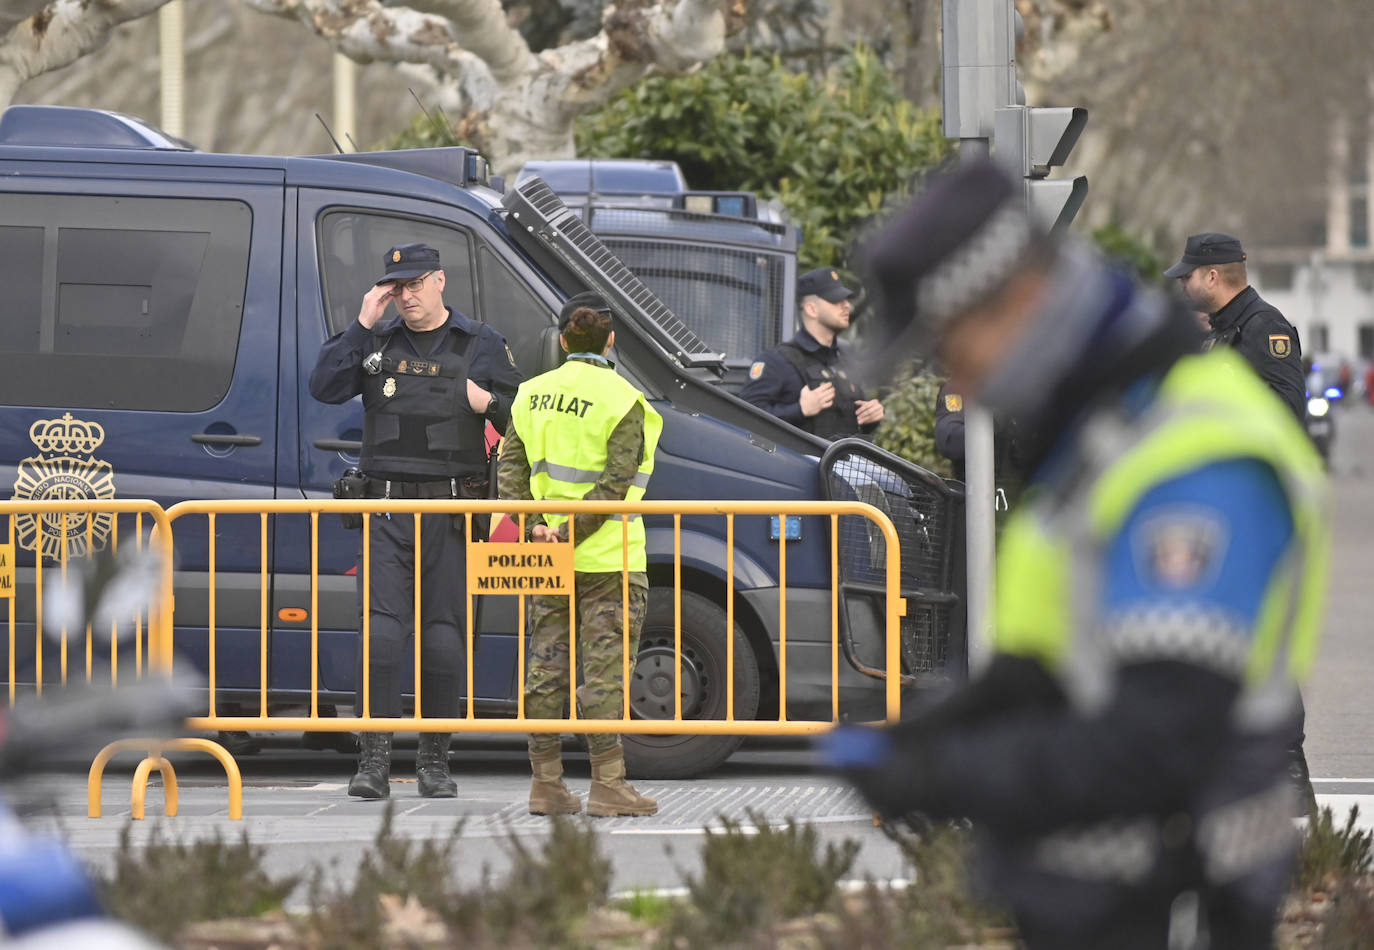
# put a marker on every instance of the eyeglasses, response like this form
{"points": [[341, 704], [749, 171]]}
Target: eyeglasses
{"points": [[410, 286]]}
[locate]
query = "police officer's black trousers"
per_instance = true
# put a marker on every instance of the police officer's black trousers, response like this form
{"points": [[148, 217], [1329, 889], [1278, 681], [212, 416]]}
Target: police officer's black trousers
{"points": [[391, 607]]}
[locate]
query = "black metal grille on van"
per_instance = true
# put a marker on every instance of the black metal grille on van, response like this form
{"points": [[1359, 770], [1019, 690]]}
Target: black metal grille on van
{"points": [[927, 515], [731, 297], [533, 204]]}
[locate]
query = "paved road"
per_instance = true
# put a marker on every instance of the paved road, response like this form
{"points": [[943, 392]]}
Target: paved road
{"points": [[295, 802]]}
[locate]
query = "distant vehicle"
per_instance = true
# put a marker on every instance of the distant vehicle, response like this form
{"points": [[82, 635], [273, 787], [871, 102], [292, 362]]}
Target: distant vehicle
{"points": [[723, 261]]}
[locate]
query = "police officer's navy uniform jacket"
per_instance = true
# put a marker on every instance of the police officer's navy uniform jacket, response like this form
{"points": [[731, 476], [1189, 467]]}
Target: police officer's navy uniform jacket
{"points": [[1269, 343], [420, 439], [777, 377], [418, 424]]}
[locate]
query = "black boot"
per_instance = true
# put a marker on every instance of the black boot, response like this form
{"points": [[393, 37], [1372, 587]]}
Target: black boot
{"points": [[431, 766], [1302, 784], [374, 766]]}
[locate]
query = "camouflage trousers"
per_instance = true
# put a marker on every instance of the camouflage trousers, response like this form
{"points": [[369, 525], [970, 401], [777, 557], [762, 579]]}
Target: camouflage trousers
{"points": [[600, 652]]}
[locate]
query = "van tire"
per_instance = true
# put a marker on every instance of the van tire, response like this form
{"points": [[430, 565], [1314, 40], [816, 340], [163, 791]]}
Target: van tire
{"points": [[703, 686]]}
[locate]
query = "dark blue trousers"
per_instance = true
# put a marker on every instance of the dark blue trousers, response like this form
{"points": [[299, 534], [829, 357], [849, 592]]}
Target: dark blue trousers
{"points": [[443, 592]]}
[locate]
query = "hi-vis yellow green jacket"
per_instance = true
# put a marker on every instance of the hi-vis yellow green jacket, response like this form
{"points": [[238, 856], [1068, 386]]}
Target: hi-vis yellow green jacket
{"points": [[564, 418]]}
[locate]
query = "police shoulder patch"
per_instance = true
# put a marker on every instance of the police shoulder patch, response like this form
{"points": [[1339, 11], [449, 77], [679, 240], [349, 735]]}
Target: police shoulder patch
{"points": [[756, 370], [954, 403], [1280, 345], [1181, 547]]}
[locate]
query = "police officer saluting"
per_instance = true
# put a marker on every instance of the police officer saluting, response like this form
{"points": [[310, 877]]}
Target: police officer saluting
{"points": [[808, 381], [430, 379], [1213, 278]]}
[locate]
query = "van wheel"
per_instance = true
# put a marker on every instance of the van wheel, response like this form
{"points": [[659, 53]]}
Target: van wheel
{"points": [[703, 687]]}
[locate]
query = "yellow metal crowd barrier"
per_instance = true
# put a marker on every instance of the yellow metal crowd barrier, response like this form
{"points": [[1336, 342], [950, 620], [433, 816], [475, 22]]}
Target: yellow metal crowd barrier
{"points": [[161, 628], [60, 532]]}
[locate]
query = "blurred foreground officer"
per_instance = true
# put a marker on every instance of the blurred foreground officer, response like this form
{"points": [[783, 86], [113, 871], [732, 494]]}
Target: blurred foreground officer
{"points": [[429, 379], [1122, 755], [808, 381], [582, 432], [1213, 278]]}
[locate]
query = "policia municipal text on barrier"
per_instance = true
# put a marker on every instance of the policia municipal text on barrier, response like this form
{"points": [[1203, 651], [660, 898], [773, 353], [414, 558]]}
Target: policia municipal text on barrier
{"points": [[583, 432], [429, 379]]}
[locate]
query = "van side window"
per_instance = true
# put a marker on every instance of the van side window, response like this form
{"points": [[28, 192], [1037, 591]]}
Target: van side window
{"points": [[122, 303], [353, 243], [508, 306]]}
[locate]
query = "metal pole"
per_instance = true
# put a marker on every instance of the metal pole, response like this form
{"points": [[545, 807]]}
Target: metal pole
{"points": [[345, 101], [979, 500], [171, 21]]}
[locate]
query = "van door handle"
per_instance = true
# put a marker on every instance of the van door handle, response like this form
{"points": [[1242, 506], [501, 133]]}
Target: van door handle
{"points": [[339, 445], [216, 438]]}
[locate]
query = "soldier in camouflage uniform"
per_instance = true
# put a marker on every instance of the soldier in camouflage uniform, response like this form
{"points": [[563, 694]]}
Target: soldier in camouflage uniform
{"points": [[583, 432]]}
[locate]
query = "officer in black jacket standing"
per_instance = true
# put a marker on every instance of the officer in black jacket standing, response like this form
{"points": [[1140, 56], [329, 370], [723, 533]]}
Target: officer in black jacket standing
{"points": [[430, 379], [808, 381], [1213, 278]]}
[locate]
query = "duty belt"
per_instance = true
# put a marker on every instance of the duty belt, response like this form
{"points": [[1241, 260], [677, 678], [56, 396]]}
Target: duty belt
{"points": [[391, 488]]}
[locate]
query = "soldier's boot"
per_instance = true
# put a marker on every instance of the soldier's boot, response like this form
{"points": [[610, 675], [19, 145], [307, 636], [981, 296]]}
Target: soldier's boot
{"points": [[548, 794], [373, 779], [431, 766], [611, 795]]}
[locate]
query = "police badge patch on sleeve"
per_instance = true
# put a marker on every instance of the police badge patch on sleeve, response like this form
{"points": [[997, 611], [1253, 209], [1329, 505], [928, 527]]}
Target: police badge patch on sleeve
{"points": [[1280, 345], [756, 370], [1180, 548], [954, 403]]}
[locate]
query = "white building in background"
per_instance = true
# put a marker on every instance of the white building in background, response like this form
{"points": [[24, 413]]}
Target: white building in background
{"points": [[1327, 292]]}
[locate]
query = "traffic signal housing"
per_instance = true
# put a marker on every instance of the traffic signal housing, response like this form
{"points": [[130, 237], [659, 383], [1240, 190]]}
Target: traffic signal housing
{"points": [[1029, 141]]}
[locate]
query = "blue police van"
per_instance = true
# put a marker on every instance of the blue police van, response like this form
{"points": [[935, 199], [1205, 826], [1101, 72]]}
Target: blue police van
{"points": [[165, 307]]}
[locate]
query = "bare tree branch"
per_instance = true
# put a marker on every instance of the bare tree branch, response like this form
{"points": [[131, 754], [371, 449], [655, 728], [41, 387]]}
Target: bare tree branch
{"points": [[482, 29], [60, 33], [14, 12], [368, 32]]}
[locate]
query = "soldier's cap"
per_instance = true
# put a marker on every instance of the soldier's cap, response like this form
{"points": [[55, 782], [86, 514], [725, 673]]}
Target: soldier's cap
{"points": [[824, 283], [1206, 250], [588, 298], [408, 261], [952, 248]]}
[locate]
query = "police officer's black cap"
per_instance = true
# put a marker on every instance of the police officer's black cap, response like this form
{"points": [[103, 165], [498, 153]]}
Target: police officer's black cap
{"points": [[824, 283], [408, 261], [953, 247], [1207, 250], [588, 298]]}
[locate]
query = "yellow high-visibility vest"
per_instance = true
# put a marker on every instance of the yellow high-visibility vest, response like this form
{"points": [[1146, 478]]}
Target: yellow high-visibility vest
{"points": [[565, 418]]}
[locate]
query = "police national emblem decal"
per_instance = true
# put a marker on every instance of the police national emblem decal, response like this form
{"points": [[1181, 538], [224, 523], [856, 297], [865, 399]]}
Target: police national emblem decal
{"points": [[65, 469], [1279, 345], [389, 387], [954, 402], [756, 370]]}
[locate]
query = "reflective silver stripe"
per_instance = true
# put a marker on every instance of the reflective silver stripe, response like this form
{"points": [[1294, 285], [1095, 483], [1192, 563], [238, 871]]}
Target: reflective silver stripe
{"points": [[567, 473], [1244, 836], [564, 473], [1205, 638], [1124, 851]]}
